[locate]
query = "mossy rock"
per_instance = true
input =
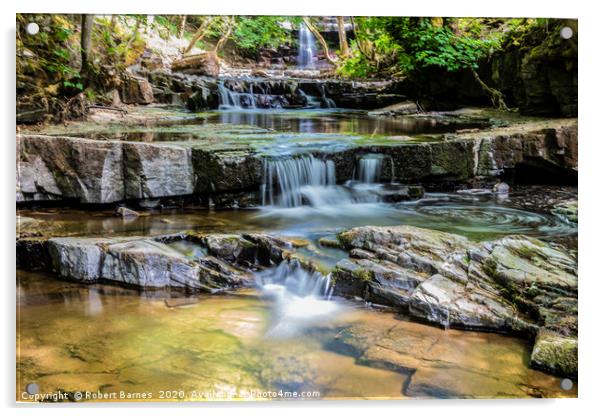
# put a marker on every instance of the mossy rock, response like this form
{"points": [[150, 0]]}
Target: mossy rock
{"points": [[555, 354]]}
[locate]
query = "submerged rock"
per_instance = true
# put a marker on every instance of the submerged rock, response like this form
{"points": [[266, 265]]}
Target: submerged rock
{"points": [[399, 109], [125, 212], [567, 211], [515, 284]]}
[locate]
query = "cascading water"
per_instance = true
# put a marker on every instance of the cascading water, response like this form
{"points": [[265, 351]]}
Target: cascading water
{"points": [[300, 298], [369, 168], [326, 101], [288, 182], [307, 48], [234, 100], [227, 98]]}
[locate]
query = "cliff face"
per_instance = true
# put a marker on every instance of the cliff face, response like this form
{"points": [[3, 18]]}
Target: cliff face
{"points": [[539, 76]]}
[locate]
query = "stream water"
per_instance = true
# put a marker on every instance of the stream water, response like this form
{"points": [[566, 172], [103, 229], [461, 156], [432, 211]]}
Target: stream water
{"points": [[287, 334], [101, 338]]}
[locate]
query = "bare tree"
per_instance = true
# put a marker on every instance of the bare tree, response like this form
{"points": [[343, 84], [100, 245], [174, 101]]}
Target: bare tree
{"points": [[343, 44], [200, 33], [229, 25], [87, 25], [182, 26]]}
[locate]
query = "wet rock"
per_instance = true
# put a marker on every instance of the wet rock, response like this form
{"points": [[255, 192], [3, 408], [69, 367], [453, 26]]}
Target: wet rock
{"points": [[127, 213], [227, 170], [32, 254], [514, 284], [239, 199], [140, 262], [86, 170], [547, 155], [136, 90], [147, 263], [399, 193], [555, 353], [232, 248], [157, 170], [78, 258], [328, 242], [399, 109], [568, 211]]}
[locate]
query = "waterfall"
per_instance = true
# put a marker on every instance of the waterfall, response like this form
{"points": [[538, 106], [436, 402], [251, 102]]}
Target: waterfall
{"points": [[290, 276], [326, 101], [369, 168], [300, 297], [297, 179], [307, 48], [227, 99], [236, 100]]}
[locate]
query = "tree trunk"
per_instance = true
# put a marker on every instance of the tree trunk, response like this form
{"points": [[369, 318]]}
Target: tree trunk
{"points": [[113, 21], [134, 33], [222, 41], [87, 25], [321, 40], [199, 34], [343, 44], [182, 26], [497, 98]]}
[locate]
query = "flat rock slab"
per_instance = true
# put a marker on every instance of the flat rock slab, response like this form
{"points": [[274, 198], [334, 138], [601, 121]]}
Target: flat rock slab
{"points": [[141, 262]]}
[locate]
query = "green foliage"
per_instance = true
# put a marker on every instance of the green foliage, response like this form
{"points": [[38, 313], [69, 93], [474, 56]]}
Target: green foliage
{"points": [[404, 45], [254, 32]]}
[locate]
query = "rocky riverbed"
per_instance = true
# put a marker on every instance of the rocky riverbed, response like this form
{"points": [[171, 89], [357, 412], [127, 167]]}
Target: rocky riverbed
{"points": [[390, 250]]}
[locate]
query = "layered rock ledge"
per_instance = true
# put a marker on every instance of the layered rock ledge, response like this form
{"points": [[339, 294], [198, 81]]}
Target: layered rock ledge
{"points": [[515, 284], [107, 171], [154, 262]]}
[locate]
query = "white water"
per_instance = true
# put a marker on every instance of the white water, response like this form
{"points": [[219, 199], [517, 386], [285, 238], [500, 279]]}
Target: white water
{"points": [[307, 48], [300, 298], [229, 100], [286, 182], [369, 168]]}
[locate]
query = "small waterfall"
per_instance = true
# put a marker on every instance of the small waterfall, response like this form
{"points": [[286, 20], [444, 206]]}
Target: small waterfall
{"points": [[312, 102], [369, 168], [297, 179], [254, 97], [290, 276], [227, 98], [307, 48], [300, 298], [326, 101]]}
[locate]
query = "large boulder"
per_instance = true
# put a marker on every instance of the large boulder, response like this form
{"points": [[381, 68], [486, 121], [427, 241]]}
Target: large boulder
{"points": [[136, 90], [515, 284]]}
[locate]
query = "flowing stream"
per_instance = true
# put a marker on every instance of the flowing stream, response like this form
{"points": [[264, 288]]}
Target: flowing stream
{"points": [[286, 333]]}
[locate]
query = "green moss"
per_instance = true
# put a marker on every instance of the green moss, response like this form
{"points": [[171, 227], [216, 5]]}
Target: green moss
{"points": [[555, 353], [363, 274]]}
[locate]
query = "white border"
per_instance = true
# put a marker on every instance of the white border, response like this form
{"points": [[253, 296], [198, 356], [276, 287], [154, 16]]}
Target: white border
{"points": [[590, 124]]}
